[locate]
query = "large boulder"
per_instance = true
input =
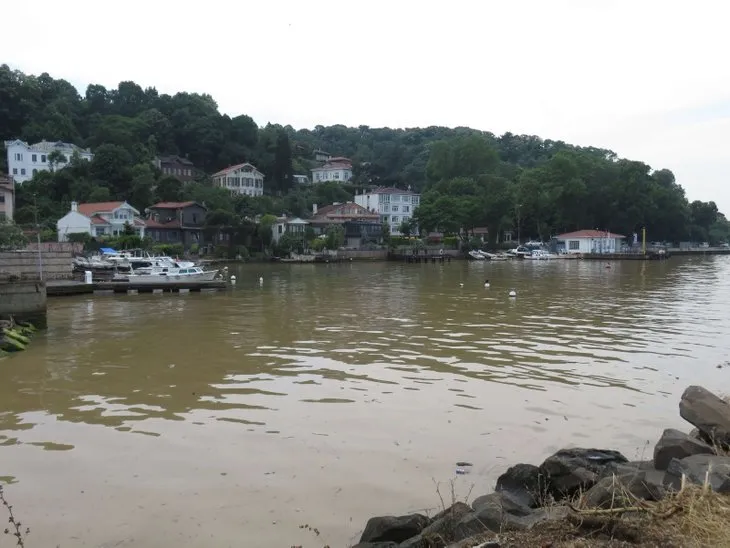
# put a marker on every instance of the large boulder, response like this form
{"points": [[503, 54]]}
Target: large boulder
{"points": [[696, 469], [570, 470], [393, 528], [621, 490], [523, 482], [708, 413], [677, 445], [441, 529]]}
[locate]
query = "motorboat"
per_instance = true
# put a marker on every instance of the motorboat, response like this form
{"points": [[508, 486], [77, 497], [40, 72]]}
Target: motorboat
{"points": [[540, 255], [477, 255], [520, 252], [169, 275]]}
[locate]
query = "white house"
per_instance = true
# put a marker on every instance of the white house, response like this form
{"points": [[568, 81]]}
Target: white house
{"points": [[392, 204], [99, 219], [300, 179], [336, 169], [26, 160], [290, 225], [590, 241], [241, 179]]}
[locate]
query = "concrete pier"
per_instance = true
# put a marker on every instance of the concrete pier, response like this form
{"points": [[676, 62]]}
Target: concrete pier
{"points": [[24, 301]]}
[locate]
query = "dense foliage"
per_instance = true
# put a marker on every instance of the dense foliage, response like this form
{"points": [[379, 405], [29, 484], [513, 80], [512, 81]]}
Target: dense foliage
{"points": [[468, 178]]}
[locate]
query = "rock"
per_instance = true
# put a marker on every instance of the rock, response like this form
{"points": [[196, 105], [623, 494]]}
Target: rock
{"points": [[613, 491], [677, 445], [393, 529], [708, 413], [494, 512], [523, 483], [695, 468], [569, 470], [441, 529], [376, 545]]}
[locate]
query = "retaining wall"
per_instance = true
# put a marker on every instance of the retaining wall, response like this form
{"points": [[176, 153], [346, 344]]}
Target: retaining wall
{"points": [[23, 265], [25, 301]]}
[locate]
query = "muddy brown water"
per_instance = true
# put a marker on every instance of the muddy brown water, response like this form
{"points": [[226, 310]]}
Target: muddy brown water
{"points": [[332, 393]]}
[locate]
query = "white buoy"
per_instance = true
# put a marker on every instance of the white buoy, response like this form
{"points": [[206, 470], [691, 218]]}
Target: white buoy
{"points": [[461, 284], [486, 283], [513, 293], [233, 280], [261, 280]]}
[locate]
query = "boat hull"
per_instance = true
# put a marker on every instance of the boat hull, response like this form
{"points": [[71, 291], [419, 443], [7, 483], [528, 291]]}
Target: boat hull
{"points": [[207, 276]]}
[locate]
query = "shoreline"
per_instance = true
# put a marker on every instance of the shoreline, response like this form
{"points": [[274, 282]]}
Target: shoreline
{"points": [[596, 497]]}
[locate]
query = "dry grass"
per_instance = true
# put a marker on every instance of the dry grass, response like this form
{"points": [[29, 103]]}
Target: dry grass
{"points": [[695, 517]]}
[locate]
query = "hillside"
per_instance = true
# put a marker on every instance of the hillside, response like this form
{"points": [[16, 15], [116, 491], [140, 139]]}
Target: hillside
{"points": [[469, 178]]}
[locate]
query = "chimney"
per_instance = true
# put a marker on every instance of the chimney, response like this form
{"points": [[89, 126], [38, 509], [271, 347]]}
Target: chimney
{"points": [[314, 209], [74, 206]]}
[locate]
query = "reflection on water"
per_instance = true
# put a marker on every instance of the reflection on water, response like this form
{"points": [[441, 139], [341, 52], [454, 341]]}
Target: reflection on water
{"points": [[398, 366]]}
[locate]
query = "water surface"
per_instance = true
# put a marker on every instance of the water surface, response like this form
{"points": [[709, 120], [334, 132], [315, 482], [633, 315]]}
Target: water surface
{"points": [[335, 392]]}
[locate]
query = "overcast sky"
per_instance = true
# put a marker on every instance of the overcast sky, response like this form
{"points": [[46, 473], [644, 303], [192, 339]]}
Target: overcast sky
{"points": [[647, 79]]}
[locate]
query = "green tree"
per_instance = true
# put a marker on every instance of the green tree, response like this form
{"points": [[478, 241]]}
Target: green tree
{"points": [[283, 171], [335, 236], [11, 236]]}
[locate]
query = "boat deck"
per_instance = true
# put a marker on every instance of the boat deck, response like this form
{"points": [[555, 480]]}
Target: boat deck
{"points": [[57, 288]]}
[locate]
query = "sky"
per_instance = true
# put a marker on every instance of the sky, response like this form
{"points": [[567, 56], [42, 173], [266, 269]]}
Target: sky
{"points": [[647, 79]]}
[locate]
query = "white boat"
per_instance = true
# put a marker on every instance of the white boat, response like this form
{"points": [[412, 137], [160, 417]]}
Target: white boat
{"points": [[520, 252], [540, 255], [169, 275], [477, 255]]}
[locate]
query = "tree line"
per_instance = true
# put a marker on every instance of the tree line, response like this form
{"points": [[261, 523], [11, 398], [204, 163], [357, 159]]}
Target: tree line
{"points": [[468, 178]]}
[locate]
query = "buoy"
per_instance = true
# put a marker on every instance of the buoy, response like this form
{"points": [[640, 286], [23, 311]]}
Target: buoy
{"points": [[261, 280], [486, 283], [233, 280], [513, 293], [461, 284]]}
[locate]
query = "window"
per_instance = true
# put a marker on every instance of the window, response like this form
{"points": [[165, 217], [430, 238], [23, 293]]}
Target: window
{"points": [[22, 171], [35, 171], [414, 200], [337, 174], [394, 208], [43, 158], [35, 158], [18, 157], [574, 244], [406, 209], [396, 198], [15, 171], [395, 218]]}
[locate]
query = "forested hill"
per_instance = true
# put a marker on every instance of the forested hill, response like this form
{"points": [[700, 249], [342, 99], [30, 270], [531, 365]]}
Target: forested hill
{"points": [[470, 178]]}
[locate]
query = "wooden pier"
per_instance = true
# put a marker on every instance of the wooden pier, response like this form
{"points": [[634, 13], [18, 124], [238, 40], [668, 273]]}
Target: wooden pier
{"points": [[59, 288]]}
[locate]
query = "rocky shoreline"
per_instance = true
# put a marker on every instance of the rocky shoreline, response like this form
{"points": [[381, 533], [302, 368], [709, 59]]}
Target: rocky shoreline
{"points": [[580, 493]]}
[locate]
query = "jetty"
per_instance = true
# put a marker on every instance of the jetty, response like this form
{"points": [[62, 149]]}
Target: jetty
{"points": [[60, 288]]}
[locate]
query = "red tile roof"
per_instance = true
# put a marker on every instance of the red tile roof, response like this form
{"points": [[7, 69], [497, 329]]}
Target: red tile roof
{"points": [[333, 165], [589, 234], [331, 212], [234, 168], [96, 220], [151, 223], [389, 190], [171, 205], [98, 207]]}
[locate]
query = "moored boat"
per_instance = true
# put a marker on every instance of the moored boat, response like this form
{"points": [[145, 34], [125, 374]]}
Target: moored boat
{"points": [[169, 275]]}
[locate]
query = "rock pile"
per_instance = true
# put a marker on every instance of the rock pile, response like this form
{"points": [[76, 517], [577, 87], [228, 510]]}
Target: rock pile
{"points": [[526, 495]]}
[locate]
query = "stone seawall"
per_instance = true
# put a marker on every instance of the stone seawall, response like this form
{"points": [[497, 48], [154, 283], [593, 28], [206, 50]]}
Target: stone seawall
{"points": [[24, 265], [25, 301]]}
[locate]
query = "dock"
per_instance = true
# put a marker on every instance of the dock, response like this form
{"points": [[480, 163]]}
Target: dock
{"points": [[61, 288]]}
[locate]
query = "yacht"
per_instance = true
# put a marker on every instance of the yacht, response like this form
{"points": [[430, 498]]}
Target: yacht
{"points": [[156, 274]]}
